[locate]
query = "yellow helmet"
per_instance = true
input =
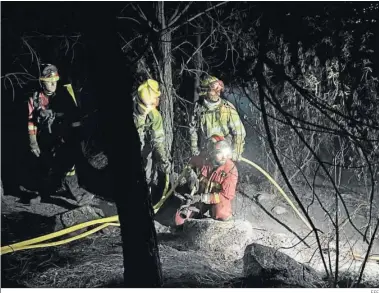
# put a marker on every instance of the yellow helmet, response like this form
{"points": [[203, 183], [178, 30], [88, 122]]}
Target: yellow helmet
{"points": [[49, 73], [207, 81], [211, 82], [148, 92]]}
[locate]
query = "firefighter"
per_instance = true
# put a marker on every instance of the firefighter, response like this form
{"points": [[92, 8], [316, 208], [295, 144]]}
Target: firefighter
{"points": [[214, 178], [54, 136], [149, 124], [213, 115]]}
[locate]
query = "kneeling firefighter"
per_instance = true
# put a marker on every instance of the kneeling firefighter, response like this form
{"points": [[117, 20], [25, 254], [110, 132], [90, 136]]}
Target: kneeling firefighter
{"points": [[149, 124], [54, 133], [214, 178]]}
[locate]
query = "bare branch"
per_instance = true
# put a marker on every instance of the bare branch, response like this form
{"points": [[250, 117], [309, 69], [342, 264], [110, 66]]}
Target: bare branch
{"points": [[183, 43], [202, 44], [128, 18], [148, 22], [173, 20], [337, 243], [126, 6], [368, 252], [196, 16], [127, 44], [141, 13], [175, 12], [18, 77]]}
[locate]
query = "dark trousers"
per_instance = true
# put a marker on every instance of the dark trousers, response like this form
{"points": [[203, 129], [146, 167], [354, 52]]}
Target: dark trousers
{"points": [[155, 179], [57, 158]]}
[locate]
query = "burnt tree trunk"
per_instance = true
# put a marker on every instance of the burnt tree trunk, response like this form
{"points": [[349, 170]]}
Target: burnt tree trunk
{"points": [[112, 82], [167, 101]]}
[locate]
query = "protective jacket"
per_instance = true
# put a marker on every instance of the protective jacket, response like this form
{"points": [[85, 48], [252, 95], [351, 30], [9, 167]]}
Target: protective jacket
{"points": [[55, 120], [149, 125], [56, 114], [219, 182], [220, 118]]}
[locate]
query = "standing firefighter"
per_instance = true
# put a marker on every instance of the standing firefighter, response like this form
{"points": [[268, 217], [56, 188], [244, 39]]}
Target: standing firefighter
{"points": [[149, 124], [213, 177], [216, 116], [54, 135]]}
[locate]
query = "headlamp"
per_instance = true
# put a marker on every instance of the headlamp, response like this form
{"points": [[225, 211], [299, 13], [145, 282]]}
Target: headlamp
{"points": [[223, 147]]}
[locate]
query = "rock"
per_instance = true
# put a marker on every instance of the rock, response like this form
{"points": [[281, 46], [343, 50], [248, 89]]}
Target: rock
{"points": [[77, 216], [250, 190], [111, 230], [267, 267], [161, 228], [279, 210], [99, 161], [221, 240], [266, 197]]}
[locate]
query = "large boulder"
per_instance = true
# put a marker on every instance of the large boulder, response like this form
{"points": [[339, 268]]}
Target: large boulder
{"points": [[267, 267], [221, 240], [77, 216]]}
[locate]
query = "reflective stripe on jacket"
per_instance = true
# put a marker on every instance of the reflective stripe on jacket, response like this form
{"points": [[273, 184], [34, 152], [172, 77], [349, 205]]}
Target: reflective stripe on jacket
{"points": [[223, 120], [149, 125], [221, 182]]}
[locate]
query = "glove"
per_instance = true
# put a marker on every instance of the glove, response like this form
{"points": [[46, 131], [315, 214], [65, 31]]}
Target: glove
{"points": [[195, 152], [193, 180], [202, 197], [195, 198], [46, 115], [34, 145]]}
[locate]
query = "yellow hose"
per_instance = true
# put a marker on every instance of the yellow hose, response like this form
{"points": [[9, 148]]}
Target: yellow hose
{"points": [[164, 192], [357, 257], [280, 190], [168, 194], [62, 232], [28, 244], [12, 248]]}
